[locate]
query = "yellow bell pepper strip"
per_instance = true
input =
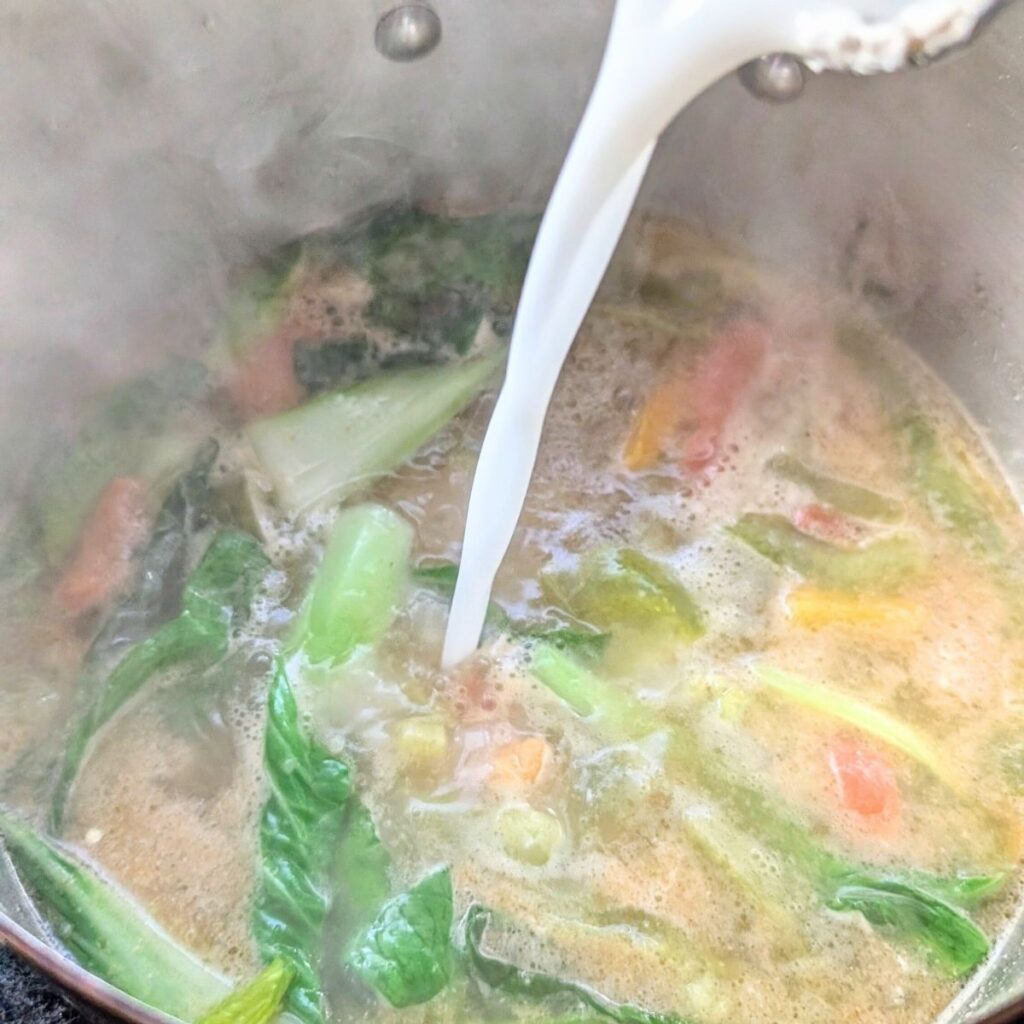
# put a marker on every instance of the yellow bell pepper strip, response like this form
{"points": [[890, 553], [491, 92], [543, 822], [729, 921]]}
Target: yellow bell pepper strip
{"points": [[816, 608]]}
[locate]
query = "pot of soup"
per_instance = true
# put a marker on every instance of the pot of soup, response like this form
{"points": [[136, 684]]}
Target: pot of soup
{"points": [[744, 736]]}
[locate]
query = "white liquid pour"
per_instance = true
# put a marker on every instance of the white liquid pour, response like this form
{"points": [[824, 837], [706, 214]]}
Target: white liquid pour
{"points": [[660, 55]]}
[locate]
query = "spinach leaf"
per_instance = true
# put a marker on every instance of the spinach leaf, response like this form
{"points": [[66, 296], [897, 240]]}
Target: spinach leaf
{"points": [[301, 823], [362, 872], [406, 953], [217, 596], [506, 976]]}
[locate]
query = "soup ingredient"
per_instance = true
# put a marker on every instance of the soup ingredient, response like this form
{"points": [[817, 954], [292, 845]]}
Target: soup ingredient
{"points": [[518, 764], [814, 608], [362, 873], [422, 743], [626, 588], [436, 278], [657, 420], [327, 448], [866, 783], [255, 1002], [528, 835], [117, 525], [108, 932], [868, 719], [406, 953], [133, 430], [300, 827], [358, 585], [217, 597], [847, 497], [946, 491], [915, 906], [507, 977], [724, 374], [885, 564]]}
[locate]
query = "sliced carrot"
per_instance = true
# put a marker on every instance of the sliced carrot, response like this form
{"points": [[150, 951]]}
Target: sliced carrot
{"points": [[825, 523], [657, 420], [815, 608], [724, 374], [866, 783], [264, 382], [117, 525], [518, 764]]}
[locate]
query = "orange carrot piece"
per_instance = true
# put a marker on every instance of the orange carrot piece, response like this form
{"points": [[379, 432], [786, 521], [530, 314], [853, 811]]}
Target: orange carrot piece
{"points": [[866, 783], [518, 764], [723, 375], [117, 525], [655, 422], [264, 382]]}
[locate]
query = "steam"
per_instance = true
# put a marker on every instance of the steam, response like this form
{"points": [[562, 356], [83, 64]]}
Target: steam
{"points": [[147, 149]]}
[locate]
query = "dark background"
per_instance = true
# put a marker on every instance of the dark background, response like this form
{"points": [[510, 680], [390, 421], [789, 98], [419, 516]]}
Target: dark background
{"points": [[28, 998]]}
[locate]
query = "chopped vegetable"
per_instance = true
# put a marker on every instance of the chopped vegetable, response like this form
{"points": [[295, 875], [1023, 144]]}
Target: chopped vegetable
{"points": [[504, 975], [355, 595], [518, 764], [421, 742], [435, 278], [915, 906], [132, 430], [870, 720], [406, 953], [300, 828], [106, 931], [657, 421], [362, 870], [814, 608], [255, 1002], [946, 491], [885, 564], [847, 497], [101, 564], [528, 835], [725, 372], [626, 588], [867, 785], [217, 597], [825, 523], [331, 446]]}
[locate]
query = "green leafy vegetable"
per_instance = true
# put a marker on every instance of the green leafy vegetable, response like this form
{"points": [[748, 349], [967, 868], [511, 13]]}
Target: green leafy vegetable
{"points": [[503, 975], [436, 278], [106, 931], [953, 941], [362, 871], [841, 494], [132, 430], [948, 494], [885, 564], [625, 588], [255, 1002], [868, 719], [406, 953], [217, 596], [300, 828], [355, 595], [328, 448]]}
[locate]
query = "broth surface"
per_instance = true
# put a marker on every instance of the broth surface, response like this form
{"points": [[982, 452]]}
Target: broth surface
{"points": [[610, 849]]}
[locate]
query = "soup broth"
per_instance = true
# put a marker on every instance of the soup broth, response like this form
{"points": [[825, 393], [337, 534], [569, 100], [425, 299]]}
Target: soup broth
{"points": [[741, 740]]}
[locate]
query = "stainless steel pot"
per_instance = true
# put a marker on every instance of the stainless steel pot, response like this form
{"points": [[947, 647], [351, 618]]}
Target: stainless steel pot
{"points": [[146, 148]]}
